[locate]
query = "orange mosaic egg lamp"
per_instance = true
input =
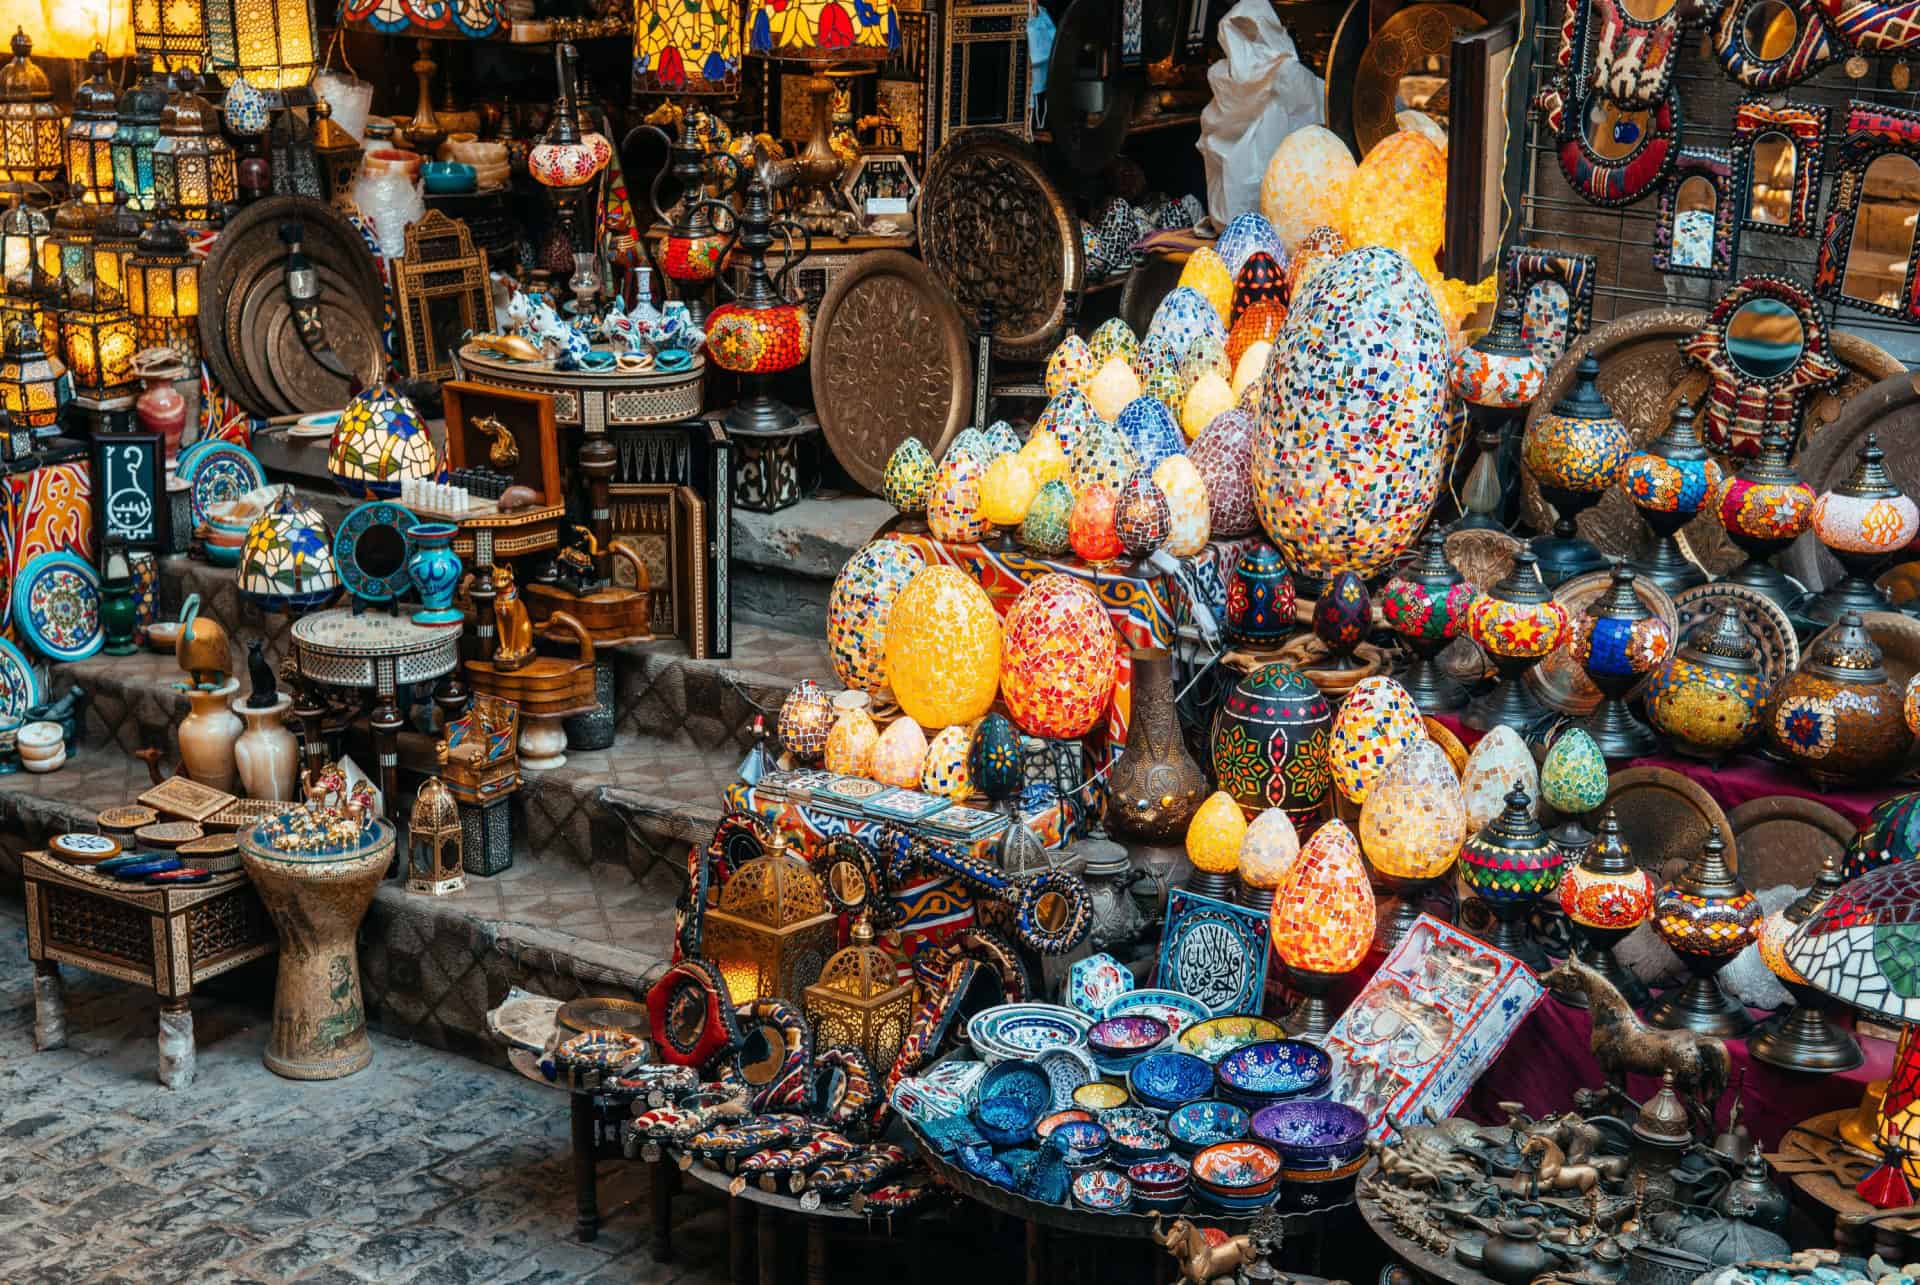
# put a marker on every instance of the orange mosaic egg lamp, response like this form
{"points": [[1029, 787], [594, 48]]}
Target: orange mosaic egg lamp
{"points": [[761, 332], [1322, 923]]}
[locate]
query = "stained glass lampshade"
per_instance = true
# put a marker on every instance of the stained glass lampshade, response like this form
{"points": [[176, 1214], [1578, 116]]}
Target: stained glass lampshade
{"points": [[1863, 946], [114, 239], [33, 383], [772, 929], [99, 343], [822, 30], [32, 127], [860, 1001], [136, 134], [380, 442], [194, 179], [163, 289], [287, 562], [96, 118], [273, 43], [1323, 922], [686, 47]]}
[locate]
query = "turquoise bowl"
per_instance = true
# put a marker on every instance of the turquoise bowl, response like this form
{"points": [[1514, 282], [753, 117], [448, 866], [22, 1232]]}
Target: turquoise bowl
{"points": [[449, 176]]}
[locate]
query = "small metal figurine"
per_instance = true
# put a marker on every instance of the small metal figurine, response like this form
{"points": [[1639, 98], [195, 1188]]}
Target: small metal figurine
{"points": [[266, 688], [1622, 1042], [1201, 1260]]}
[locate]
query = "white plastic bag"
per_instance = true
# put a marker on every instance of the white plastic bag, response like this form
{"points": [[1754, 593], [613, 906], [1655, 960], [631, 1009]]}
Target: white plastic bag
{"points": [[1261, 93]]}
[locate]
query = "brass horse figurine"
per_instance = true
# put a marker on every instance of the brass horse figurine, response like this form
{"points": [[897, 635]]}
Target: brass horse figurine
{"points": [[1555, 1173], [1622, 1042], [1201, 1261]]}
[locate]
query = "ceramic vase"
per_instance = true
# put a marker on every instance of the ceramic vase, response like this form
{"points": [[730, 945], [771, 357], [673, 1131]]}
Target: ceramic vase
{"points": [[434, 568], [1669, 482], [1839, 717], [207, 736], [1707, 916], [1575, 452], [1426, 604], [1707, 700], [1155, 787], [1618, 641], [267, 755], [1764, 507]]}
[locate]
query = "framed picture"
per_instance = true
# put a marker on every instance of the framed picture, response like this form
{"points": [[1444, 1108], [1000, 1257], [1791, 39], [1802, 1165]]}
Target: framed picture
{"points": [[881, 185], [1215, 952], [1477, 75], [130, 471], [506, 430], [441, 293]]}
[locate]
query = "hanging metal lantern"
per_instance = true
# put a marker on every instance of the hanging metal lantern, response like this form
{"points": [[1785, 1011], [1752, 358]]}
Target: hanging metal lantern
{"points": [[137, 133], [32, 128], [99, 344], [114, 239], [96, 118], [33, 383], [273, 43], [23, 239], [172, 31], [194, 180], [163, 290], [339, 153], [66, 256]]}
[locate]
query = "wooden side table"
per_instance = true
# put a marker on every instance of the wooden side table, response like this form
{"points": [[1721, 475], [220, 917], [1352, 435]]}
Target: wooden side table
{"points": [[165, 938]]}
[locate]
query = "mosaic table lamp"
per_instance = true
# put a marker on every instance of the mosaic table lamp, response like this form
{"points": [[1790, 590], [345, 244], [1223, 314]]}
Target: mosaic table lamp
{"points": [[1806, 1038], [1322, 923], [1707, 917], [1511, 865], [1863, 522]]}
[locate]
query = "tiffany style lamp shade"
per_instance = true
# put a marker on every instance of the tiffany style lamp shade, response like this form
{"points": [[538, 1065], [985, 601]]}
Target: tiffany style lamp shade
{"points": [[1806, 1039], [686, 48]]}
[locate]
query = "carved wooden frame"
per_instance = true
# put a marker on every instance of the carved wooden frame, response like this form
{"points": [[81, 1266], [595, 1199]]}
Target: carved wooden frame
{"points": [[527, 415], [440, 261], [1872, 132], [1716, 167], [1805, 126]]}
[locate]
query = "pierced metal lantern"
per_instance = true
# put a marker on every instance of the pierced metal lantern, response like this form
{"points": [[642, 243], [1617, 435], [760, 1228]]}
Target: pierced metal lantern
{"points": [[33, 382], [163, 290], [32, 127], [66, 256], [433, 841], [273, 43], [23, 239], [772, 930], [338, 153], [96, 118], [98, 344], [172, 31], [194, 178], [137, 133], [114, 238], [861, 1001]]}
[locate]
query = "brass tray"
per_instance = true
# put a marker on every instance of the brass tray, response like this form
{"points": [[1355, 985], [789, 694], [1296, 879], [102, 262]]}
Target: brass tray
{"points": [[259, 324], [1777, 647], [890, 362], [994, 230], [1664, 817], [1558, 680], [1483, 556], [1785, 838]]}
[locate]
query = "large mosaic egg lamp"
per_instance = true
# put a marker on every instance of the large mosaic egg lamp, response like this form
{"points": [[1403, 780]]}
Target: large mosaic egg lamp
{"points": [[1575, 452], [1322, 923], [858, 607], [1411, 828], [1270, 742], [1764, 507], [1426, 603], [379, 442], [1862, 522], [286, 563], [1707, 916], [1515, 623], [1669, 482]]}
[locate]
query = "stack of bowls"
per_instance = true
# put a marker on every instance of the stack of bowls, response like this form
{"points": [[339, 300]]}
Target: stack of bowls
{"points": [[1072, 1115], [1312, 1134], [1236, 1177], [1159, 1186], [1081, 1142], [224, 533], [1118, 1042], [1164, 1080], [1102, 1191], [1136, 1134], [1198, 1125], [42, 746], [1268, 1071], [1023, 1032]]}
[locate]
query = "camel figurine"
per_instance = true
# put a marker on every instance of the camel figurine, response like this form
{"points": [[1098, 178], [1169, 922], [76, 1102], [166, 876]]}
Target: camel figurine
{"points": [[1200, 1259], [1622, 1042], [1554, 1173]]}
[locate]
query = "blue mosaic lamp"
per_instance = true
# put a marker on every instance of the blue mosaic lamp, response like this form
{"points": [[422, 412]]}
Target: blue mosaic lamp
{"points": [[380, 442]]}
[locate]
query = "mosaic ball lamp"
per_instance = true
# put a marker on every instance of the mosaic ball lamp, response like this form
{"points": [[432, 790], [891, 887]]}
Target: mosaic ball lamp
{"points": [[1070, 365], [947, 771], [899, 754], [1060, 658], [1270, 740], [953, 505], [971, 442], [1095, 542], [1112, 338], [907, 480], [1046, 528], [1764, 507], [1411, 829], [1605, 896], [852, 738], [1499, 371], [1839, 717], [858, 606], [1321, 247], [1167, 386], [1342, 617], [1205, 356], [1255, 332], [1575, 452], [1618, 641], [1214, 836], [943, 648], [1183, 316], [1511, 865], [1397, 198], [1707, 701], [1006, 489], [1707, 916], [287, 563], [1245, 236], [995, 759], [1223, 454], [1141, 516], [806, 716], [1002, 438], [1515, 623], [1348, 461], [1267, 857], [1154, 355], [1066, 416], [1305, 184], [1669, 482], [1099, 457], [1426, 602], [1377, 723], [1500, 764], [1862, 522], [1207, 273], [379, 442], [1190, 519], [1322, 923], [1260, 600], [1151, 432], [1805, 1038]]}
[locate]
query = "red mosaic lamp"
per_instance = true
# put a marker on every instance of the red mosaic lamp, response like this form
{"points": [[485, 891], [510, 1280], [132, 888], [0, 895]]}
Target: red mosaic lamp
{"points": [[1516, 623], [1764, 508], [694, 248], [1669, 482], [1426, 603], [762, 331], [1322, 923], [1605, 897], [1707, 916]]}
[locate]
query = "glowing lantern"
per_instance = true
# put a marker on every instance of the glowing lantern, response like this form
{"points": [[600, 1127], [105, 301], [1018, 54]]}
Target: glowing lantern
{"points": [[953, 505], [1091, 528], [1112, 338], [1070, 366], [1245, 236], [1213, 845], [1259, 324], [1376, 724], [1261, 282], [1046, 529], [771, 929], [1061, 653], [1206, 272], [1246, 377], [1398, 199], [806, 716], [1498, 765], [1267, 855], [945, 772], [1100, 458], [943, 648], [1415, 818], [1006, 491], [1113, 387], [1305, 185], [1190, 521], [857, 610], [851, 742], [1209, 396], [860, 1002], [32, 128], [898, 754], [1322, 922], [1140, 515]]}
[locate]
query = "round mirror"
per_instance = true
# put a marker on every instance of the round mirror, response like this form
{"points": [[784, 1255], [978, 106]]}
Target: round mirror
{"points": [[382, 551], [1694, 212], [846, 886], [1769, 30], [1765, 338], [761, 1055], [829, 1089], [687, 1016], [1612, 131], [1883, 229], [1770, 196], [1648, 10], [1051, 912]]}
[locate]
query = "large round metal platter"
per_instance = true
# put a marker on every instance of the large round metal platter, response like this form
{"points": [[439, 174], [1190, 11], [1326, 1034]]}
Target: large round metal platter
{"points": [[1558, 680], [1408, 41], [994, 230], [1152, 279], [1664, 817], [56, 605], [890, 361], [1785, 838], [1890, 410], [1776, 646], [284, 378], [1343, 68], [303, 381]]}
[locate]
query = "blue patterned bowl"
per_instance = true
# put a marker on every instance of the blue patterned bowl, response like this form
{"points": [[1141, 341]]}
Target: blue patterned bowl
{"points": [[1269, 1071], [1025, 1030], [1165, 1080], [1082, 1142], [1178, 1011], [1201, 1124], [1158, 1177], [1136, 1134], [1312, 1133], [1103, 1191], [1022, 1080], [1005, 1122]]}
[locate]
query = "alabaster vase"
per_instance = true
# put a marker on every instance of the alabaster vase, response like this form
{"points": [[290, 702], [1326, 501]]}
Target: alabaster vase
{"points": [[266, 754], [208, 734]]}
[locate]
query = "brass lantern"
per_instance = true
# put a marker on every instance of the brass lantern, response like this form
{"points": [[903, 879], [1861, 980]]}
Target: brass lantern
{"points": [[32, 128], [174, 31], [137, 132], [860, 1000], [193, 168], [433, 841], [114, 238], [163, 289], [66, 256], [772, 930], [96, 118], [33, 383], [339, 154], [273, 43], [23, 241], [99, 343]]}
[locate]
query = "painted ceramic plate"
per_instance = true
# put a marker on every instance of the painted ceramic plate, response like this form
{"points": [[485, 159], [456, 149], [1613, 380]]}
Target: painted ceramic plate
{"points": [[318, 424], [956, 1076], [56, 604], [1176, 1010], [1216, 1037], [1777, 647], [216, 471], [1026, 1030], [1025, 1082]]}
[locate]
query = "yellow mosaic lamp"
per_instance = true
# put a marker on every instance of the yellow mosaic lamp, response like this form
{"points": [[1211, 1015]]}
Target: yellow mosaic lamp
{"points": [[771, 931], [1322, 923], [1006, 490], [1208, 273], [1253, 364], [1112, 388], [1411, 829], [853, 737], [861, 1002], [1267, 857], [1070, 366], [1377, 722], [1045, 458], [945, 773], [899, 754], [1214, 837], [1210, 395], [943, 648]]}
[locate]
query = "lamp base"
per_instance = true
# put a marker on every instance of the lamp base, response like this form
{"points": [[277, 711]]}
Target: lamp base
{"points": [[1434, 691], [1703, 1007], [424, 131], [1512, 935], [1854, 593], [1312, 1017], [1219, 885], [1806, 1040], [1667, 567], [1617, 732], [1507, 704], [1561, 558], [761, 412], [1397, 912], [1260, 899]]}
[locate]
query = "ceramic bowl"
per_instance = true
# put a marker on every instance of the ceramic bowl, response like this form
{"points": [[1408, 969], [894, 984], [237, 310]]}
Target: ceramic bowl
{"points": [[1067, 1068], [1022, 1080], [391, 160], [1082, 1142], [1216, 1037], [1176, 1010], [1165, 1080], [1199, 1125], [1005, 1122], [477, 154], [1128, 1036], [1236, 1169], [1025, 1030], [449, 176], [52, 764], [1268, 1071], [920, 1101], [162, 635], [1136, 1133], [1158, 1177], [40, 740], [1099, 1095], [1103, 1191], [1312, 1133], [1072, 1115]]}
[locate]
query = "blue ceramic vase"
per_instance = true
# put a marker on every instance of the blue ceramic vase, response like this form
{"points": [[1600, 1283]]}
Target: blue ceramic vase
{"points": [[434, 568]]}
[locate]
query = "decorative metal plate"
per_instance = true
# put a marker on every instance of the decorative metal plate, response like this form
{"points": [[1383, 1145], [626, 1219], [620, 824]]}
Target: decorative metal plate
{"points": [[1777, 647], [362, 582], [595, 1013], [1785, 838], [1665, 817], [1405, 42], [890, 361], [303, 382], [1890, 409], [56, 605], [1558, 679], [994, 230]]}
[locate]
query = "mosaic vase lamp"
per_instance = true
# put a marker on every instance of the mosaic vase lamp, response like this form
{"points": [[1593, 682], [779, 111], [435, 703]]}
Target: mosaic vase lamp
{"points": [[1322, 923], [1605, 897], [1708, 699], [1806, 1037], [1707, 917], [1511, 865], [1498, 376], [1618, 641], [860, 1001], [1839, 717], [1764, 507], [1411, 828], [1270, 739], [1426, 602], [33, 147], [1669, 482], [1516, 623], [760, 332], [771, 930], [1862, 522], [1575, 452], [1213, 844]]}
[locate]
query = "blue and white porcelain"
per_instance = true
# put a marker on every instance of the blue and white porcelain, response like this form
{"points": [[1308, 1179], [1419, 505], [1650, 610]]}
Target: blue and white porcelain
{"points": [[1082, 1142], [957, 1075], [1244, 234], [1272, 1070], [1026, 1030], [1014, 1079], [1199, 1125], [1102, 1191], [920, 1102], [1165, 1080], [1067, 1068], [1095, 982], [1150, 432], [1178, 1011], [1183, 316]]}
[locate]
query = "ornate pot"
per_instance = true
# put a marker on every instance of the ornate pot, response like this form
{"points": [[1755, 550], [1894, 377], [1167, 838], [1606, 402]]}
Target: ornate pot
{"points": [[1839, 716], [1155, 786], [207, 736], [1707, 700], [434, 568], [1270, 740], [267, 754]]}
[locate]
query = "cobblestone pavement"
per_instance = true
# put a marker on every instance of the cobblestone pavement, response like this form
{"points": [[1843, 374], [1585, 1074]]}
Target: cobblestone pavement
{"points": [[425, 1167]]}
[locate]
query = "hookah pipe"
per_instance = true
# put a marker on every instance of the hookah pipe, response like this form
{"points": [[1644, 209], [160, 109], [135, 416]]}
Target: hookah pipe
{"points": [[303, 293]]}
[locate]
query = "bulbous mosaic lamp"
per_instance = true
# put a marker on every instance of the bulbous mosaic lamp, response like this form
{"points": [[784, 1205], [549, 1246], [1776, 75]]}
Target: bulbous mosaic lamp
{"points": [[1707, 916], [1322, 923], [1862, 522], [1806, 1038]]}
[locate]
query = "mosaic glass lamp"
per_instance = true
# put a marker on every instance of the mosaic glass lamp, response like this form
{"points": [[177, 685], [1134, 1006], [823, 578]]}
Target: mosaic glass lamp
{"points": [[194, 176], [380, 442], [1267, 856], [33, 383], [1511, 865], [1764, 507], [760, 333], [1214, 836], [1619, 641], [287, 562], [860, 1001], [98, 342], [1805, 1038], [1707, 916], [1605, 897], [163, 290], [1575, 452], [1669, 482], [172, 32], [681, 48], [1411, 829], [1862, 522], [96, 118], [33, 129], [771, 931], [1426, 603], [1707, 700], [1322, 923], [273, 43], [136, 134], [1515, 623]]}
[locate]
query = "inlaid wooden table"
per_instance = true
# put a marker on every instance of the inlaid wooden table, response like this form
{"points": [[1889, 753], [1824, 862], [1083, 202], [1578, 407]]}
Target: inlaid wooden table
{"points": [[165, 937]]}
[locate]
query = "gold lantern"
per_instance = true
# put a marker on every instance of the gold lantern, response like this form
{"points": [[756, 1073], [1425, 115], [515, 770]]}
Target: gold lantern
{"points": [[338, 152], [194, 180], [174, 32], [98, 342], [433, 841], [772, 930], [861, 1001], [32, 128], [33, 383], [163, 290], [66, 256], [273, 43], [23, 239], [114, 239], [137, 132], [96, 118]]}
